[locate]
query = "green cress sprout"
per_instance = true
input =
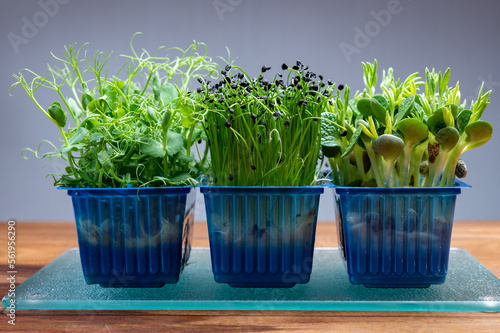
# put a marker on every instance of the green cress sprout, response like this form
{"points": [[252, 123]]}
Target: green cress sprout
{"points": [[402, 136], [265, 131], [136, 130]]}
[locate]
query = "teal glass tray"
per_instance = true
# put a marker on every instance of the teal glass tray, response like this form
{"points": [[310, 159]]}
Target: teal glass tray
{"points": [[60, 285]]}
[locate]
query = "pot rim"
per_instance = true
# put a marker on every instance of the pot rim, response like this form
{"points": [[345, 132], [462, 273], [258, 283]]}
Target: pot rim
{"points": [[437, 190], [313, 189], [126, 191]]}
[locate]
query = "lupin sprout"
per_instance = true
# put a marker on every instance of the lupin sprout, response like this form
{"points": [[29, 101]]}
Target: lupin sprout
{"points": [[403, 136]]}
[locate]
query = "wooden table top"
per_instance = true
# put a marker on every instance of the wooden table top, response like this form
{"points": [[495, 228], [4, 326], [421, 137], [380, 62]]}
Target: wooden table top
{"points": [[38, 243]]}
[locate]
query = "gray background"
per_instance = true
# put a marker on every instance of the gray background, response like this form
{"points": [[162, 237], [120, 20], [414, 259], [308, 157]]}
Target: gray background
{"points": [[463, 35]]}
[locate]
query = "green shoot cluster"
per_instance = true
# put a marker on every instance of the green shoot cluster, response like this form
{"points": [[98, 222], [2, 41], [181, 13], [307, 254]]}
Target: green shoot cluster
{"points": [[403, 137], [118, 133], [265, 133]]}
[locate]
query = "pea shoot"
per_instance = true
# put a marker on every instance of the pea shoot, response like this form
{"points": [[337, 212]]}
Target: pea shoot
{"points": [[133, 128]]}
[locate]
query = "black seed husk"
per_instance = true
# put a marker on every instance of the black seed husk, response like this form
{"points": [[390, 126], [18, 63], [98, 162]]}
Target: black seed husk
{"points": [[264, 69]]}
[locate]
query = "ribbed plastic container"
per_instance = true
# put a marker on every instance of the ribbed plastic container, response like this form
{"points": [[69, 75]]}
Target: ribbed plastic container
{"points": [[261, 236], [396, 237], [130, 237]]}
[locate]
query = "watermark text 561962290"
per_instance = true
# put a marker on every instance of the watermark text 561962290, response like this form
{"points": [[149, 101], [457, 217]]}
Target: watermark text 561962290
{"points": [[11, 271], [32, 23]]}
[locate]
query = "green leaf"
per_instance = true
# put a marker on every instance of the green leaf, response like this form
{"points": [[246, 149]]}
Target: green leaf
{"points": [[168, 93], [353, 141], [182, 156], [453, 109], [436, 121], [187, 114], [84, 175], [111, 97], [105, 160], [447, 137], [389, 146], [78, 136], [479, 131], [331, 149], [152, 148], [414, 131], [378, 111], [444, 82], [74, 147], [175, 142], [97, 105], [180, 178], [330, 135], [73, 105], [96, 136], [405, 108], [86, 99], [353, 106], [463, 120], [382, 100], [418, 109], [364, 107], [57, 114], [89, 123]]}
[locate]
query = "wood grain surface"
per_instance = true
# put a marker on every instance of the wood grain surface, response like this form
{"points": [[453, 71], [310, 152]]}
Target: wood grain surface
{"points": [[38, 243]]}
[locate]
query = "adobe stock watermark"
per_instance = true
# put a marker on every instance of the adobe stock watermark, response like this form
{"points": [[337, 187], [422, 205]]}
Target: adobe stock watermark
{"points": [[11, 272], [223, 6], [363, 36], [489, 84], [31, 25]]}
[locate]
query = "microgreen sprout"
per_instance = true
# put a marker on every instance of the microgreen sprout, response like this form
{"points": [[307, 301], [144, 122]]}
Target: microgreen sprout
{"points": [[410, 138], [134, 131], [265, 131]]}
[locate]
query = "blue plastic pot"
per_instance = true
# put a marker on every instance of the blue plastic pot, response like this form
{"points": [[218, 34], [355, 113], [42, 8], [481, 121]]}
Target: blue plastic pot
{"points": [[396, 237], [261, 236], [130, 237]]}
